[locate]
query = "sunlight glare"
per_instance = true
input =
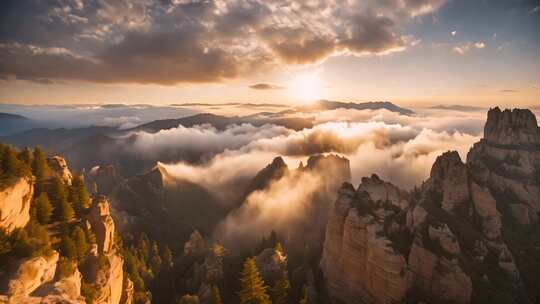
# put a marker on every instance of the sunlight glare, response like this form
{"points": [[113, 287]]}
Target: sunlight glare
{"points": [[308, 87]]}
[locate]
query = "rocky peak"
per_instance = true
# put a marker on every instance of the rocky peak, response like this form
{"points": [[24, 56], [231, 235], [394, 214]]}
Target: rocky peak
{"points": [[274, 171], [60, 168], [105, 178], [158, 176], [380, 190], [196, 245], [102, 223], [449, 176], [512, 127]]}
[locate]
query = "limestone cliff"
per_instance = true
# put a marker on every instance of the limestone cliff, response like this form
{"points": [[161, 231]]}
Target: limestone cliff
{"points": [[467, 235], [15, 201]]}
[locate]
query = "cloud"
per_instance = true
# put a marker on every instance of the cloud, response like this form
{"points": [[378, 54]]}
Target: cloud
{"points": [[466, 47], [508, 91], [535, 10], [169, 42], [283, 206], [479, 45], [399, 148], [453, 33], [266, 86]]}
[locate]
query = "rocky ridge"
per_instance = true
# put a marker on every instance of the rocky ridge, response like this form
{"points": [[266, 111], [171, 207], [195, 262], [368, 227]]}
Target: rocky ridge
{"points": [[37, 278], [466, 236]]}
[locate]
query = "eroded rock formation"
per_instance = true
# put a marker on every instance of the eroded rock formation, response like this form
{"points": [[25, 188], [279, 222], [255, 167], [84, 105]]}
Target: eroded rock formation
{"points": [[465, 236], [15, 201]]}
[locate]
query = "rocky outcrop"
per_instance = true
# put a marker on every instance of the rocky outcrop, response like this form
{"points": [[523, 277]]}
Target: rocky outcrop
{"points": [[15, 201], [383, 191], [60, 168], [273, 172], [272, 264], [449, 175], [358, 261], [109, 280], [105, 178], [463, 237], [102, 224], [31, 274], [517, 127], [127, 292], [109, 276]]}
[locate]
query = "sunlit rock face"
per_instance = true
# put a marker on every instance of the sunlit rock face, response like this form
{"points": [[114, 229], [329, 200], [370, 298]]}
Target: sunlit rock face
{"points": [[31, 274], [358, 260], [466, 236], [110, 278], [102, 224], [15, 201], [60, 168]]}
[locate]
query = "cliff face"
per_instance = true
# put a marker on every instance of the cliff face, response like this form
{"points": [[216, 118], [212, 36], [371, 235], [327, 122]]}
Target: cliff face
{"points": [[466, 236], [60, 168], [37, 278], [109, 279], [15, 201]]}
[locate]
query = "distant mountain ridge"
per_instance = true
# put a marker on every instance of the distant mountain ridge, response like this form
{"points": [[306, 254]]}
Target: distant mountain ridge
{"points": [[322, 105], [10, 123]]}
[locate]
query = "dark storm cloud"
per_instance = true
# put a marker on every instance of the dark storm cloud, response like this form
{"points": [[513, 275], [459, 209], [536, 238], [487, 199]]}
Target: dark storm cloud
{"points": [[266, 86], [167, 42]]}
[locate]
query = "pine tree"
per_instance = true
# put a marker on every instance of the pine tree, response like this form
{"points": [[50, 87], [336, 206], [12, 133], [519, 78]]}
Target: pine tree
{"points": [[44, 209], [79, 238], [155, 259], [216, 297], [26, 156], [11, 164], [68, 248], [253, 290], [78, 194], [280, 291], [166, 257], [66, 211], [40, 169]]}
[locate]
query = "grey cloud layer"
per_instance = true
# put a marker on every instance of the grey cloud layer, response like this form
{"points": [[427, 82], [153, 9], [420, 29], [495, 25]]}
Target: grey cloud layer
{"points": [[168, 42]]}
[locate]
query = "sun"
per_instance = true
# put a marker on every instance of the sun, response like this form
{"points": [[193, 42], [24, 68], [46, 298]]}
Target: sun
{"points": [[307, 87]]}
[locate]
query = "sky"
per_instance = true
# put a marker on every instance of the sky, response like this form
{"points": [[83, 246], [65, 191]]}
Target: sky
{"points": [[411, 52]]}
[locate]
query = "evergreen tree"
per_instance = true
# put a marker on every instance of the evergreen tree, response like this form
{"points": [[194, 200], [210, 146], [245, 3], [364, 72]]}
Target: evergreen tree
{"points": [[66, 211], [166, 257], [216, 297], [280, 291], [68, 248], [11, 164], [44, 209], [26, 156], [78, 194], [155, 259], [40, 169], [253, 290], [79, 238], [144, 247]]}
